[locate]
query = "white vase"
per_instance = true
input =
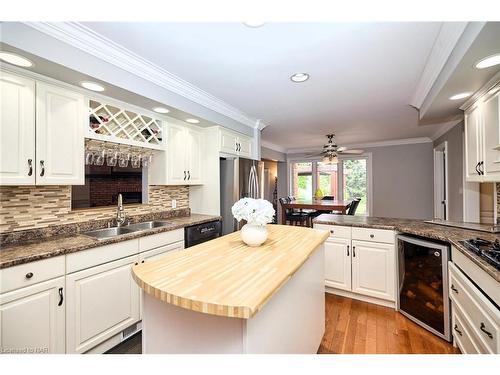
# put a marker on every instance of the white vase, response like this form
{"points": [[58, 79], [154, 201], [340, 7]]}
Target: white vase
{"points": [[254, 234]]}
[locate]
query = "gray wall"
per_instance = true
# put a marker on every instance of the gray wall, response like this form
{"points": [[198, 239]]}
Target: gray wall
{"points": [[454, 137], [402, 178], [267, 153]]}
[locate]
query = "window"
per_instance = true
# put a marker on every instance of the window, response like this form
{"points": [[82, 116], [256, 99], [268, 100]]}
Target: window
{"points": [[302, 180], [346, 180]]}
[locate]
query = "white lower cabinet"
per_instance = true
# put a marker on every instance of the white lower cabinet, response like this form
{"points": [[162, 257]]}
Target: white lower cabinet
{"points": [[360, 262], [32, 318], [101, 302], [373, 269], [338, 263]]}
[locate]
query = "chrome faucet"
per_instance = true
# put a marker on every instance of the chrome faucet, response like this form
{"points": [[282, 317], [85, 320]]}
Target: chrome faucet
{"points": [[120, 212]]}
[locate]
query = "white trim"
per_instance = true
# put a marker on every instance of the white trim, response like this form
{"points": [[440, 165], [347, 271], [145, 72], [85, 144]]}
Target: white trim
{"points": [[482, 92], [272, 146], [442, 148], [445, 42], [447, 126], [85, 39], [360, 297], [395, 142]]}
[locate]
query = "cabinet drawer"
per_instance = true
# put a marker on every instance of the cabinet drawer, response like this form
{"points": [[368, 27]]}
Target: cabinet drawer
{"points": [[482, 316], [160, 239], [31, 273], [160, 251], [100, 255], [462, 335], [336, 230], [373, 235]]}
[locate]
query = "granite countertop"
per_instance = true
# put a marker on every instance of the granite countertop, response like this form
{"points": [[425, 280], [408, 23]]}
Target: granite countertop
{"points": [[31, 250], [420, 228]]}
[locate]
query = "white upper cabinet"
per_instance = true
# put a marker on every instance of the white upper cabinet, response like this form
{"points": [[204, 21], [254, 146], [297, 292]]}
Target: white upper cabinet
{"points": [[17, 130], [42, 133], [235, 144], [182, 162], [482, 139], [60, 121]]}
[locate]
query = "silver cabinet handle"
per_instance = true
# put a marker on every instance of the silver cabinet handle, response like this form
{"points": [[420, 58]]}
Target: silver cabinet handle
{"points": [[30, 165], [61, 297], [347, 250], [454, 289], [185, 175], [189, 175], [42, 166], [354, 251], [29, 275], [457, 330], [483, 328]]}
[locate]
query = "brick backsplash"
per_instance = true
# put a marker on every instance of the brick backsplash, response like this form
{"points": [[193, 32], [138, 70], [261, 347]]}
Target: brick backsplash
{"points": [[28, 207]]}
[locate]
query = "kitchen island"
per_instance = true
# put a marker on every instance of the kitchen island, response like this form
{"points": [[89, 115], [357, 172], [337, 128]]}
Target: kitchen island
{"points": [[223, 296]]}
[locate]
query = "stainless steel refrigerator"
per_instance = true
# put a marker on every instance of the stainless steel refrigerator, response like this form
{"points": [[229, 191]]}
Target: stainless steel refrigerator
{"points": [[239, 178]]}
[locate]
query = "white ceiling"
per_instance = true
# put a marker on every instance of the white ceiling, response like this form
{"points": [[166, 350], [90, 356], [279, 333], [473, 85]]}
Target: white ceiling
{"points": [[363, 75]]}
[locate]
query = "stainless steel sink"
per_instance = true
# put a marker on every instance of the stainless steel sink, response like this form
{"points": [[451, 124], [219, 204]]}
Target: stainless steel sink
{"points": [[102, 234], [148, 225]]}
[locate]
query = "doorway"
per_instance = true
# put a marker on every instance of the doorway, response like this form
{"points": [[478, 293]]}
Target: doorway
{"points": [[441, 181]]}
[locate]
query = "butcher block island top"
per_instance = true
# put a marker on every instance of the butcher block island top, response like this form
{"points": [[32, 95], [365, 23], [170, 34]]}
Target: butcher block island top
{"points": [[225, 277]]}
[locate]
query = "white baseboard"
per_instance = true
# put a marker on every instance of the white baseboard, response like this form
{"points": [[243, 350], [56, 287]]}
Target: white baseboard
{"points": [[360, 297]]}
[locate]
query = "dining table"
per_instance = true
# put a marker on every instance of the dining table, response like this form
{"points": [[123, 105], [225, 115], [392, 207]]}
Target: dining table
{"points": [[316, 204]]}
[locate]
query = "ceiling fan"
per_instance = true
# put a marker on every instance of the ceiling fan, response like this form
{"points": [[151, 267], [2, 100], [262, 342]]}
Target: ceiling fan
{"points": [[331, 151]]}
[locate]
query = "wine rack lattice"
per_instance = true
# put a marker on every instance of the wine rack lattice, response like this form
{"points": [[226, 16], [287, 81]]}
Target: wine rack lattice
{"points": [[108, 122]]}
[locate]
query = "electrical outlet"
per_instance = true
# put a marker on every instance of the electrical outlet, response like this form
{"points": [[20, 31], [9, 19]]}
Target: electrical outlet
{"points": [[174, 203]]}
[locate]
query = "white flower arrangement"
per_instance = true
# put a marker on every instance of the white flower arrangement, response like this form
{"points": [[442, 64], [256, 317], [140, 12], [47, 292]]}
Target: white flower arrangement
{"points": [[254, 211]]}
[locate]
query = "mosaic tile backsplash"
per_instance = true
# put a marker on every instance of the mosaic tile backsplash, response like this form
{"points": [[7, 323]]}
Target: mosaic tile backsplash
{"points": [[29, 207]]}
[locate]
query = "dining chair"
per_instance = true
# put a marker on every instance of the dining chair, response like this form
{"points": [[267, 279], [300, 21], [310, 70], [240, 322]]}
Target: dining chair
{"points": [[353, 206], [294, 217]]}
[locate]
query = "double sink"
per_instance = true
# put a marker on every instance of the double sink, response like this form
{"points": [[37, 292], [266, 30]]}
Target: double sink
{"points": [[106, 233]]}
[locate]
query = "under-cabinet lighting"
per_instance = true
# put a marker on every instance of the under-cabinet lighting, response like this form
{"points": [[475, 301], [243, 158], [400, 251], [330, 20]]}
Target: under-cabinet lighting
{"points": [[161, 110], [462, 95], [14, 59], [488, 61], [92, 86]]}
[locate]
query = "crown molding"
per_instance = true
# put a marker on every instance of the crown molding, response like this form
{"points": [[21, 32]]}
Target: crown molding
{"points": [[394, 142], [272, 146], [87, 40], [482, 92], [445, 42], [446, 127]]}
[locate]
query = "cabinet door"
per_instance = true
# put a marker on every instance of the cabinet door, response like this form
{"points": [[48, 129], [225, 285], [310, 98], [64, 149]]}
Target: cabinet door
{"points": [[194, 146], [472, 145], [32, 318], [491, 138], [60, 121], [228, 142], [17, 130], [245, 147], [338, 263], [101, 302], [373, 269], [177, 151]]}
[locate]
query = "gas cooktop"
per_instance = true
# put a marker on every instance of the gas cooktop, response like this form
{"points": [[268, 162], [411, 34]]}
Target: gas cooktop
{"points": [[488, 250]]}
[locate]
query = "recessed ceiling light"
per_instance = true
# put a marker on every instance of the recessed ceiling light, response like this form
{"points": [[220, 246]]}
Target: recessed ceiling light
{"points": [[14, 59], [253, 23], [161, 110], [92, 86], [488, 61], [462, 95], [192, 121], [299, 77]]}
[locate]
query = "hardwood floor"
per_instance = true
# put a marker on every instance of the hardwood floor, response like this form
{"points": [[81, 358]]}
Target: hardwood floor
{"points": [[355, 327]]}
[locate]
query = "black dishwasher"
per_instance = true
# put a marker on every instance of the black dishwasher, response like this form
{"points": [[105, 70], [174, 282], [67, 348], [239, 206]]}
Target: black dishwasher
{"points": [[199, 233]]}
